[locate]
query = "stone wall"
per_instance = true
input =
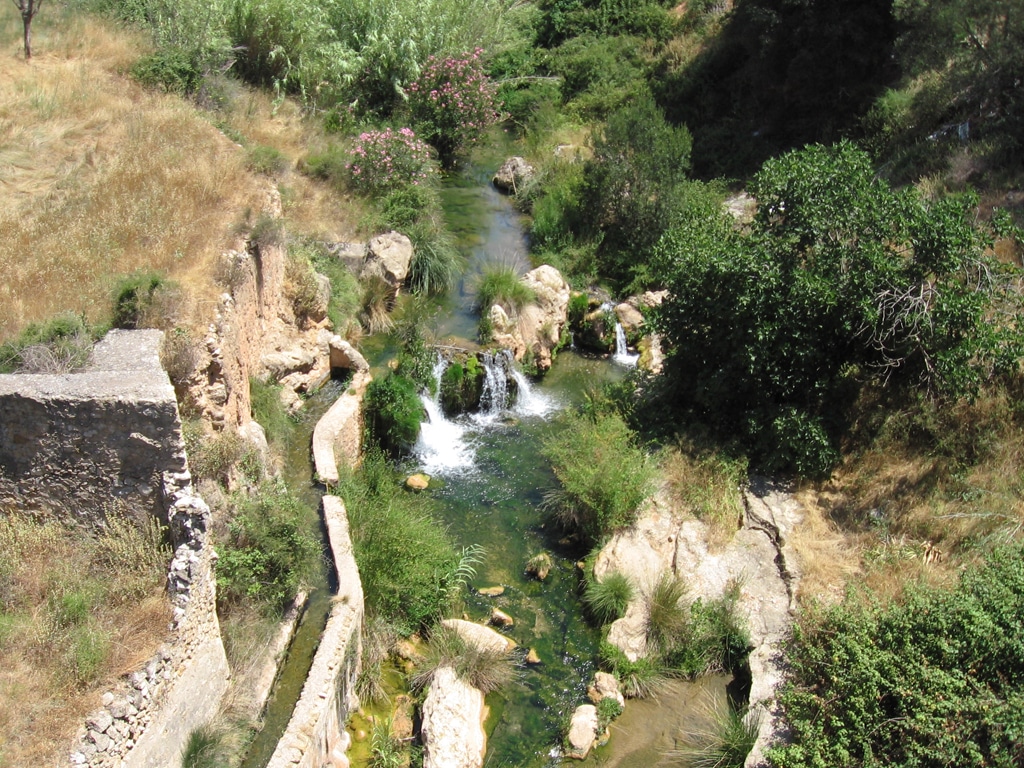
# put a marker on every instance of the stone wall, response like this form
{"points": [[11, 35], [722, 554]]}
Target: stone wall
{"points": [[68, 445], [338, 434], [316, 736]]}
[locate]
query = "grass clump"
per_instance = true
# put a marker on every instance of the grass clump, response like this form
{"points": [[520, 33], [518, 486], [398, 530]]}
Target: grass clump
{"points": [[270, 411], [488, 669], [666, 613], [204, 749], [501, 284], [411, 572], [608, 599], [638, 679], [724, 743], [604, 477]]}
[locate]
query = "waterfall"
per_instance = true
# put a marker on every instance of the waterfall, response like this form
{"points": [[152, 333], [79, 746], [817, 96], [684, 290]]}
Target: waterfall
{"points": [[622, 355], [442, 444], [530, 402], [494, 399]]}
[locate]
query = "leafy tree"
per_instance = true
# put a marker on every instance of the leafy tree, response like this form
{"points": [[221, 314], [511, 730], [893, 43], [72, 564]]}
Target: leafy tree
{"points": [[840, 280]]}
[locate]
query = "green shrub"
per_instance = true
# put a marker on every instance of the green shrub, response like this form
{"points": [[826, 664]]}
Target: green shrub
{"points": [[607, 710], [88, 653], [393, 413], [271, 549], [383, 161], [330, 164], [936, 678], [638, 679], [385, 750], [607, 600], [180, 355], [60, 345], [302, 287], [410, 571], [215, 456], [171, 69], [462, 386], [604, 477], [270, 411], [268, 161]]}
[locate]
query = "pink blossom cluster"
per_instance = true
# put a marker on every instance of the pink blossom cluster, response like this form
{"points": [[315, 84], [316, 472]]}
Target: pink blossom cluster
{"points": [[389, 159], [453, 101]]}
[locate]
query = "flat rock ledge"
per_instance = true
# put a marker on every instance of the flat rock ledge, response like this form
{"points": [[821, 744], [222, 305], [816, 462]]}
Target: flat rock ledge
{"points": [[452, 729], [758, 558]]}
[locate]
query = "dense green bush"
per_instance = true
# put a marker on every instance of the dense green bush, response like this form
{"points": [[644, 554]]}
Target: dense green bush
{"points": [[604, 477], [386, 160], [410, 571], [393, 413], [840, 280], [271, 550], [461, 386], [934, 679], [608, 599]]}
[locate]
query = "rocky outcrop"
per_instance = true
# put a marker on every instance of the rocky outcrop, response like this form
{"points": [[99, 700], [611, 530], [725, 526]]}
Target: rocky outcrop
{"points": [[513, 173], [537, 330], [452, 727], [757, 560], [389, 256]]}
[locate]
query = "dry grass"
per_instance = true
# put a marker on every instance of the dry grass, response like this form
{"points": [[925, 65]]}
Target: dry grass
{"points": [[706, 486], [69, 625], [100, 177]]}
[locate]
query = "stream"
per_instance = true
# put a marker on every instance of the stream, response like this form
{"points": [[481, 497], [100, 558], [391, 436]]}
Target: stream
{"points": [[490, 482]]}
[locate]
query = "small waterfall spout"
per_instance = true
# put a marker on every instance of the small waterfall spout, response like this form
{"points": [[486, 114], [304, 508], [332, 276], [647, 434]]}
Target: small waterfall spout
{"points": [[497, 370], [442, 444], [622, 354], [530, 402]]}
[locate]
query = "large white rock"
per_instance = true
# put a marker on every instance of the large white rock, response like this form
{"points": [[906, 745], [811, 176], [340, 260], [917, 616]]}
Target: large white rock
{"points": [[389, 256], [538, 328], [480, 636], [583, 731], [452, 729]]}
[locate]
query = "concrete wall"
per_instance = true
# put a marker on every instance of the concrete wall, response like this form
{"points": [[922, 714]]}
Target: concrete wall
{"points": [[337, 436], [68, 445], [316, 737]]}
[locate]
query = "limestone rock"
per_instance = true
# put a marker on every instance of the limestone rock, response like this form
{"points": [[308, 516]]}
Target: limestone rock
{"points": [[417, 482], [512, 174], [452, 727], [389, 256], [605, 686], [538, 328], [501, 619], [491, 591], [539, 566], [629, 317], [401, 721], [583, 731], [480, 636], [533, 658], [352, 255], [346, 357]]}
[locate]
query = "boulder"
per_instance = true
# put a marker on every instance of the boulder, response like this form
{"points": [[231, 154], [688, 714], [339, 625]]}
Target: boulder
{"points": [[492, 591], [629, 317], [452, 727], [583, 731], [605, 686], [538, 328], [417, 482], [280, 362], [352, 255], [480, 636], [512, 174], [532, 657], [501, 619], [389, 256]]}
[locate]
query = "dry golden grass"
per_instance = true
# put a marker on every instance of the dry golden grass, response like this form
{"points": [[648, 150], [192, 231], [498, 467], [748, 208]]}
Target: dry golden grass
{"points": [[68, 628], [706, 486], [100, 177]]}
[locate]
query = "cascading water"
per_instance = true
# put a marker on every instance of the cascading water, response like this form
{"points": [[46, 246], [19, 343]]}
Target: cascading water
{"points": [[494, 400], [622, 354]]}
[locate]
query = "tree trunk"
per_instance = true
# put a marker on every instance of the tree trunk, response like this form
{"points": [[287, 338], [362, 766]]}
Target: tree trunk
{"points": [[28, 36]]}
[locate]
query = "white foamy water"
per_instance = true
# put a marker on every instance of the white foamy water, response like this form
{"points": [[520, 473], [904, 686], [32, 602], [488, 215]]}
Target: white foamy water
{"points": [[622, 355], [442, 445], [530, 401]]}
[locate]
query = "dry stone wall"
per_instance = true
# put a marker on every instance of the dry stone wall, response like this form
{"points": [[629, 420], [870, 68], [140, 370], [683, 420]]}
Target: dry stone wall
{"points": [[68, 445]]}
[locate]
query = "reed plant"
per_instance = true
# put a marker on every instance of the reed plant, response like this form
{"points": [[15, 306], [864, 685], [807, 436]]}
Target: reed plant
{"points": [[485, 668], [502, 284], [608, 598]]}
